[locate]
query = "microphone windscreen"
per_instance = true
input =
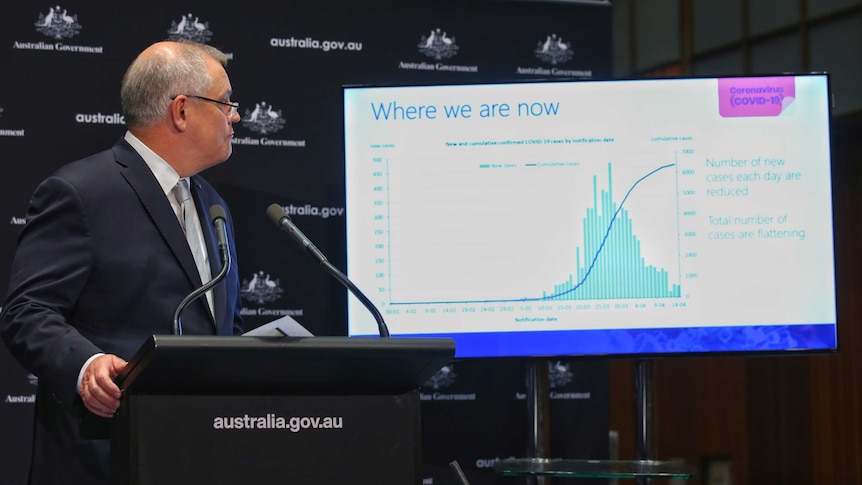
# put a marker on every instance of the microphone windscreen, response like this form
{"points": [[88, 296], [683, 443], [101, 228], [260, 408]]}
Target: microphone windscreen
{"points": [[276, 213], [217, 212]]}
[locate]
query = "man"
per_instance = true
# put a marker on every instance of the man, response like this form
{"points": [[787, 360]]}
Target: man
{"points": [[103, 260]]}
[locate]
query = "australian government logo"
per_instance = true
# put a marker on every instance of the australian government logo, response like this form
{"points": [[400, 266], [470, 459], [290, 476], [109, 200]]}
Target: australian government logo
{"points": [[190, 27], [555, 51], [437, 45], [58, 24], [264, 119], [559, 375], [262, 289], [443, 378], [8, 132]]}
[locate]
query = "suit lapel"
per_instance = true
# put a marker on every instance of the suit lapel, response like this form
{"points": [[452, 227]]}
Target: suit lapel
{"points": [[144, 183]]}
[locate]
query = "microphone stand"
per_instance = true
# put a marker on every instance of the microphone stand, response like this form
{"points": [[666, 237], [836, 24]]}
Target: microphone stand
{"points": [[178, 326], [281, 219], [381, 325], [217, 215]]}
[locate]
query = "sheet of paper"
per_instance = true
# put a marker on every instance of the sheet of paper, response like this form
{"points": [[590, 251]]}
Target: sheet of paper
{"points": [[285, 326]]}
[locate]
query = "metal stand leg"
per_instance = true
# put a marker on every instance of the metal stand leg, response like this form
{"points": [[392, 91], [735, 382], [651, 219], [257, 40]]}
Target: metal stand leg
{"points": [[538, 388], [644, 390]]}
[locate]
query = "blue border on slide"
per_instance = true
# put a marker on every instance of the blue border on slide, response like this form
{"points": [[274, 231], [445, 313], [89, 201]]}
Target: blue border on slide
{"points": [[744, 339]]}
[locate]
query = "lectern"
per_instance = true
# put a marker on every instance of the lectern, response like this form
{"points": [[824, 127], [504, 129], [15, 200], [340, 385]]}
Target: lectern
{"points": [[267, 410]]}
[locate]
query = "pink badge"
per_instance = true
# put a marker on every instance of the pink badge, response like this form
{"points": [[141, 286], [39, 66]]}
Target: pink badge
{"points": [[755, 96]]}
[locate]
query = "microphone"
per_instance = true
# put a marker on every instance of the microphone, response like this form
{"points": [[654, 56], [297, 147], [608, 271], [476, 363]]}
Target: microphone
{"points": [[219, 220], [282, 220]]}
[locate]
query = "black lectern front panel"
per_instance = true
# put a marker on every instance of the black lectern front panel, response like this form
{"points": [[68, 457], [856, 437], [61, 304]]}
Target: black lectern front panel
{"points": [[264, 410], [246, 440]]}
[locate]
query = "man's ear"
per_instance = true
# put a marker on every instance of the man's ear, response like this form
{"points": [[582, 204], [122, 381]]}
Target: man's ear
{"points": [[177, 110]]}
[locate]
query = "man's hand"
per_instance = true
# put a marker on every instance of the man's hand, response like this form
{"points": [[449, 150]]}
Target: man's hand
{"points": [[98, 391]]}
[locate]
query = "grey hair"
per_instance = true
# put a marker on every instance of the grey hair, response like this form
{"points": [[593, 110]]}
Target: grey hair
{"points": [[151, 80]]}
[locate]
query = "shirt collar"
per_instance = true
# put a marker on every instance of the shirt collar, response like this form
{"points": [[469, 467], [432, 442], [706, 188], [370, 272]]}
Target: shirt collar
{"points": [[164, 173]]}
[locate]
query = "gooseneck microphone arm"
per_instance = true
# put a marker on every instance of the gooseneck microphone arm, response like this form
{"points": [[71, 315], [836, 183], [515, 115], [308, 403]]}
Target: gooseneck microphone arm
{"points": [[218, 218], [282, 220]]}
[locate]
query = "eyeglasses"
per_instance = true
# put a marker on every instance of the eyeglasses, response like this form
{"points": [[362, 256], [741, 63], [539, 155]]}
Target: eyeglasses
{"points": [[234, 107]]}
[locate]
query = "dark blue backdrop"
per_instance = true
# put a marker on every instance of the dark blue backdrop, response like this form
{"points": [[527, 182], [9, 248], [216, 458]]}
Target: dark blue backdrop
{"points": [[60, 69]]}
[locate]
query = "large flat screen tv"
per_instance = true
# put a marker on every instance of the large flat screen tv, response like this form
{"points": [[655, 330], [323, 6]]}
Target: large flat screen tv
{"points": [[624, 217]]}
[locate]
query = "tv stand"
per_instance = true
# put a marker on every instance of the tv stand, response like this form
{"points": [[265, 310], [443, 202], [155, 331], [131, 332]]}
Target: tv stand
{"points": [[643, 469]]}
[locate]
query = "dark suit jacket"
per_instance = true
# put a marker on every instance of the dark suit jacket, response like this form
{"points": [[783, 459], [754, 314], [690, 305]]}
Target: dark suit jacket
{"points": [[100, 266]]}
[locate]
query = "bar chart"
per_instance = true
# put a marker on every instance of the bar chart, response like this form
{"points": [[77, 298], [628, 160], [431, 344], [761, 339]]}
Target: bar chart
{"points": [[478, 237], [610, 263]]}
